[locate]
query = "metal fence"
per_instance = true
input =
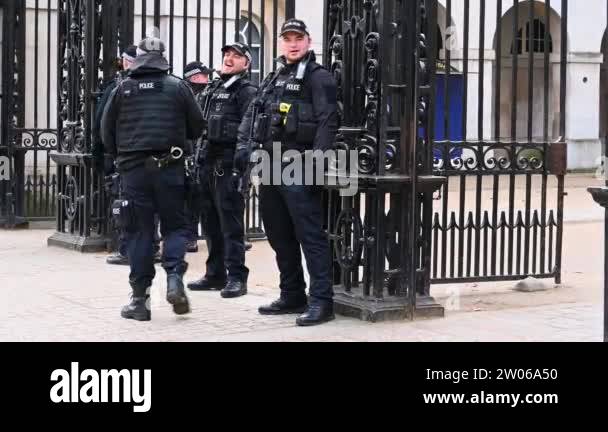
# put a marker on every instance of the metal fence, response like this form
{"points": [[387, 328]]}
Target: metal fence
{"points": [[499, 138], [29, 110], [58, 64]]}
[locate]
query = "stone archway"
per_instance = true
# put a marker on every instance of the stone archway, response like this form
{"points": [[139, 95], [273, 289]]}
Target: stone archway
{"points": [[515, 49]]}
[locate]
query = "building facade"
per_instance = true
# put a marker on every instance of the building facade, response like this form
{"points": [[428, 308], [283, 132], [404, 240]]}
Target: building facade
{"points": [[209, 24]]}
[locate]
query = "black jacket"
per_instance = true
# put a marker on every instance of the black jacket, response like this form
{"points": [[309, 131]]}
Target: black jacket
{"points": [[224, 109], [312, 121], [106, 90], [148, 113]]}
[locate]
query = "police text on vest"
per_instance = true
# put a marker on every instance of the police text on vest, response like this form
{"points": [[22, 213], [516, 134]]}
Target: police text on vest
{"points": [[91, 386]]}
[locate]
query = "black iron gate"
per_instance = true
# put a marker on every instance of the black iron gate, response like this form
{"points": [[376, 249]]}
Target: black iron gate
{"points": [[500, 216], [29, 132], [92, 33], [486, 116]]}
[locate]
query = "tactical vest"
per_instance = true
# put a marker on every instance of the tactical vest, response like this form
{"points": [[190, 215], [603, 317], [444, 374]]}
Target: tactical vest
{"points": [[224, 114], [293, 120], [149, 117]]}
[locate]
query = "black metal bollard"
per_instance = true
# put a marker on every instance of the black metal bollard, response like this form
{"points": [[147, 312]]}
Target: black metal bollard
{"points": [[600, 195]]}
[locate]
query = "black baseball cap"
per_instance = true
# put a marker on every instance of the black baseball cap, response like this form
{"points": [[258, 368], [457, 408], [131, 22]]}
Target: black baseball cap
{"points": [[294, 26], [241, 48], [194, 68]]}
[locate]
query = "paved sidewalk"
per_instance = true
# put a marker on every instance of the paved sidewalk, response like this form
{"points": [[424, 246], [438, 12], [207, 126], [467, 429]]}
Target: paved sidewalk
{"points": [[51, 294]]}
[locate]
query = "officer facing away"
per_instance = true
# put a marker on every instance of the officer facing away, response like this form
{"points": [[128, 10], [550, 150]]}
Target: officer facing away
{"points": [[196, 74], [105, 163], [225, 102], [299, 100], [145, 125]]}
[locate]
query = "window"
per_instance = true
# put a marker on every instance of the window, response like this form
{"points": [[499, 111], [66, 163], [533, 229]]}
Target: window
{"points": [[246, 26], [538, 39]]}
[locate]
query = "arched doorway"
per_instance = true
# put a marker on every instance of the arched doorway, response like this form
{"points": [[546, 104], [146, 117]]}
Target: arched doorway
{"points": [[249, 34], [531, 46]]}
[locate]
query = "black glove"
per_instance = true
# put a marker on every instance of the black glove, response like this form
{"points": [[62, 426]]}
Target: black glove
{"points": [[112, 185]]}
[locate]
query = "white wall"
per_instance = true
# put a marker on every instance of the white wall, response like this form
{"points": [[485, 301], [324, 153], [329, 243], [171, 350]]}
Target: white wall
{"points": [[586, 26], [205, 25], [311, 12]]}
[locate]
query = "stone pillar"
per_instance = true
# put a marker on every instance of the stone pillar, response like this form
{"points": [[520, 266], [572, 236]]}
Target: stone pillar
{"points": [[582, 110]]}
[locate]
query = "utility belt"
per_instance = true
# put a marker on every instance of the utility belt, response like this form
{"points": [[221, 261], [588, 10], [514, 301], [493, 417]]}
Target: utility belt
{"points": [[221, 129], [159, 161]]}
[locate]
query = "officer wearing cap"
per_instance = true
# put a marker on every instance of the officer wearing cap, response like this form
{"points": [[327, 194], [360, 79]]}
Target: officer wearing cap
{"points": [[145, 125], [300, 101], [197, 75], [225, 102]]}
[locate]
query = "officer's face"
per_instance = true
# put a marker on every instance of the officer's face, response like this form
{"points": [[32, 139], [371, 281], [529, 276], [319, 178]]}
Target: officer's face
{"points": [[234, 63], [199, 79], [126, 64], [295, 46]]}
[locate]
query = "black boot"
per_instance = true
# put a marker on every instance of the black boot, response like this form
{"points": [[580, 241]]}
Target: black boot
{"points": [[118, 259], [207, 284], [192, 246], [138, 309], [176, 295], [317, 313], [234, 289], [283, 307]]}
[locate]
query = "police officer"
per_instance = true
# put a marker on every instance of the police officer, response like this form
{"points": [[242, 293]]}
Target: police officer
{"points": [[146, 123], [225, 102], [300, 101], [106, 164], [197, 75]]}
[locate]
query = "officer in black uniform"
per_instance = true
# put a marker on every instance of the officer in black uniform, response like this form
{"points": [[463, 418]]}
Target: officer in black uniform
{"points": [[225, 102], [197, 75], [105, 163], [145, 125], [299, 100]]}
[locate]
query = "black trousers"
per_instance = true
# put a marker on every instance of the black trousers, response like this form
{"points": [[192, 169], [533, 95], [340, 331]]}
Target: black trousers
{"points": [[223, 213], [159, 192], [123, 239], [293, 219]]}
